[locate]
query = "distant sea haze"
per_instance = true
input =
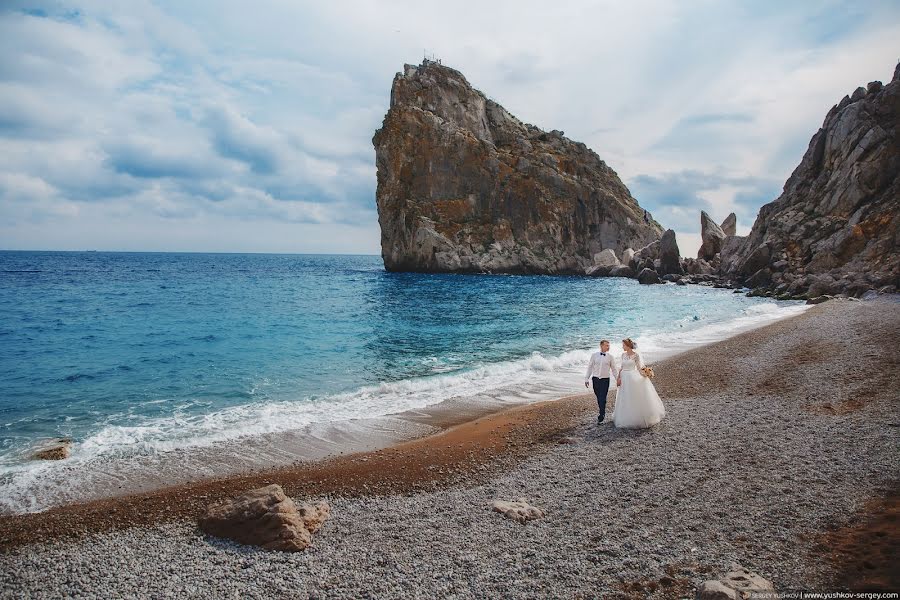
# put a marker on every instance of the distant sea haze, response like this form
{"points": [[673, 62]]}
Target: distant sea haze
{"points": [[138, 355]]}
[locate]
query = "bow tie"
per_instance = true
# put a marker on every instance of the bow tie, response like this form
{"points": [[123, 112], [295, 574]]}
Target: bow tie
{"points": [[603, 354]]}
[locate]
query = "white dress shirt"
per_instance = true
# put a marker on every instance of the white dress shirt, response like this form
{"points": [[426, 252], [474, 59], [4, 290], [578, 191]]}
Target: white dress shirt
{"points": [[602, 365]]}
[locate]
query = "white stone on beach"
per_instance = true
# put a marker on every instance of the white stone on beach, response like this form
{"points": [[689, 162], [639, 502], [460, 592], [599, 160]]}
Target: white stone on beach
{"points": [[519, 510], [737, 584]]}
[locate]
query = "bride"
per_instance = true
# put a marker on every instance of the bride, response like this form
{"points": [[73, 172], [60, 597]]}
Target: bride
{"points": [[637, 404]]}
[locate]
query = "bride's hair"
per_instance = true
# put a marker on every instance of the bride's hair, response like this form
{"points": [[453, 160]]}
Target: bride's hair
{"points": [[630, 343]]}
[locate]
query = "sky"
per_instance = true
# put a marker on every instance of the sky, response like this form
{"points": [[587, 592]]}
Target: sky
{"points": [[246, 127]]}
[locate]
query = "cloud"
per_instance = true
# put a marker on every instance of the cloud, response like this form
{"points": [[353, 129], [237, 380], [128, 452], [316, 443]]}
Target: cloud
{"points": [[195, 118], [676, 199]]}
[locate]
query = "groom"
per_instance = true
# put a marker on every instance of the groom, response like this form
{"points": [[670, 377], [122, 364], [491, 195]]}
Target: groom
{"points": [[601, 365]]}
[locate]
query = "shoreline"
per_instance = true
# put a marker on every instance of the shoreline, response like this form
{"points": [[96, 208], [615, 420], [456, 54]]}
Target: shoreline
{"points": [[327, 440], [473, 448], [471, 442], [751, 465]]}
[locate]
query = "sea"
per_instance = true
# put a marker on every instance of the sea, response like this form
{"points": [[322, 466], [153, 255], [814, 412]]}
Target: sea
{"points": [[170, 367]]}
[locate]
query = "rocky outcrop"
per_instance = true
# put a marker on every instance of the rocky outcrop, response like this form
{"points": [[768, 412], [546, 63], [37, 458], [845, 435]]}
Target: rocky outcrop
{"points": [[267, 518], [729, 225], [712, 237], [517, 510], [646, 257], [835, 229], [464, 186], [669, 255]]}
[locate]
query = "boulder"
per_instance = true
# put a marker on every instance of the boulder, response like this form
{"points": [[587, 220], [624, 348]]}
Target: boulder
{"points": [[464, 186], [519, 510], [56, 449], [622, 271], [835, 228], [648, 276], [729, 225], [599, 271], [267, 518], [606, 258], [761, 278], [737, 584], [627, 256], [819, 299], [646, 257], [712, 237], [669, 255]]}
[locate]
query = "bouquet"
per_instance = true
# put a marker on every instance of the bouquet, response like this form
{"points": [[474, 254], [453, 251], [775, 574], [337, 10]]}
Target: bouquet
{"points": [[647, 372]]}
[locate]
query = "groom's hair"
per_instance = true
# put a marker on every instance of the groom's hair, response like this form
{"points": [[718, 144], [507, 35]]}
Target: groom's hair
{"points": [[604, 342]]}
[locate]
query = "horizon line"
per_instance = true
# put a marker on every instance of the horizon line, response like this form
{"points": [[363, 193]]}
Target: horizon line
{"points": [[98, 251]]}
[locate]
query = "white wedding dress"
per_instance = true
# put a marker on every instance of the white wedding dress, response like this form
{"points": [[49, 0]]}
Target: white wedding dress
{"points": [[637, 404]]}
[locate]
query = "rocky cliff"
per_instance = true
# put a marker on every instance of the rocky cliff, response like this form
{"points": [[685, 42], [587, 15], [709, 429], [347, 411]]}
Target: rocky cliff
{"points": [[836, 226], [464, 186]]}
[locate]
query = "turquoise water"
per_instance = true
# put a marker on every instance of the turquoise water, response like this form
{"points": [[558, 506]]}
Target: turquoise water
{"points": [[138, 354]]}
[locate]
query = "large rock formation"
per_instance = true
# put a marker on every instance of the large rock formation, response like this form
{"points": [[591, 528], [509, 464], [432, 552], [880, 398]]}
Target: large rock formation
{"points": [[836, 226], [669, 255], [464, 186], [712, 237]]}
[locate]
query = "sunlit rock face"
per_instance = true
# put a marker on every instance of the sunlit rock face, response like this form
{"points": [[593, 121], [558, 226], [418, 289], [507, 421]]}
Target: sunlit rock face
{"points": [[464, 186]]}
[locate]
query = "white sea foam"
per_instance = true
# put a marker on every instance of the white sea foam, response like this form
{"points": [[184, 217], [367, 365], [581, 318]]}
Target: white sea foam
{"points": [[34, 485]]}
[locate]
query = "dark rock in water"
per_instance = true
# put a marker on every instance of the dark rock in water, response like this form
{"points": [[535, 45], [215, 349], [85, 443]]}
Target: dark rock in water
{"points": [[669, 255], [729, 225], [57, 449], [600, 271], [671, 277], [622, 271], [681, 282], [464, 186], [712, 235], [267, 518], [836, 226], [648, 276]]}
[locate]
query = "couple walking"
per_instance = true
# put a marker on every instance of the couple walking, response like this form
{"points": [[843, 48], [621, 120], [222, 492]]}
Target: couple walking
{"points": [[637, 404]]}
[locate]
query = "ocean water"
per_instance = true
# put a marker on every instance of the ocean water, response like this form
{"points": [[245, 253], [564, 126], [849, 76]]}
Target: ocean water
{"points": [[142, 356]]}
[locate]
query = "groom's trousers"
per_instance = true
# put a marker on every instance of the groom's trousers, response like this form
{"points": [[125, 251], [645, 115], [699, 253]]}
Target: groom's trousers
{"points": [[601, 389]]}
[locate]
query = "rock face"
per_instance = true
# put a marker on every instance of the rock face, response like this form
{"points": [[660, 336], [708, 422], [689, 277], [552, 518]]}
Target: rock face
{"points": [[836, 226], [267, 518], [712, 235], [729, 225], [463, 186], [519, 510]]}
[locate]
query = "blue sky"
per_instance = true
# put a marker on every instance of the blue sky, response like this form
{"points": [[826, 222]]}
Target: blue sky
{"points": [[231, 126]]}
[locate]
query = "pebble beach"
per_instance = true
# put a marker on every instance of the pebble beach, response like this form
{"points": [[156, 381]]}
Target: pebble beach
{"points": [[773, 440]]}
